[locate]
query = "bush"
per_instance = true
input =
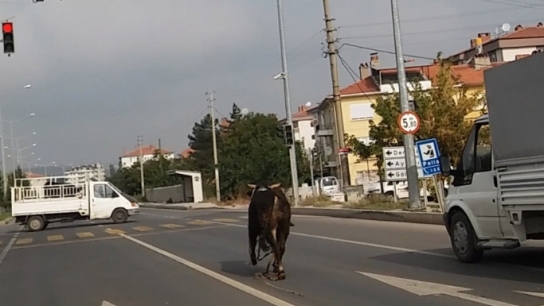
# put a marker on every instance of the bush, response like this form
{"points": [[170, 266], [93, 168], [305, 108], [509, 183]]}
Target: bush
{"points": [[377, 202]]}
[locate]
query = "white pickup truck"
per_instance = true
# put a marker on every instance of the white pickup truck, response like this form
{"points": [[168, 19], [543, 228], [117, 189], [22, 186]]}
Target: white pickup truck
{"points": [[46, 200], [496, 196]]}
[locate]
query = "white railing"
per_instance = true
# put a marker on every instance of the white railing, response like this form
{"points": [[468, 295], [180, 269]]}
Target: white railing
{"points": [[48, 192]]}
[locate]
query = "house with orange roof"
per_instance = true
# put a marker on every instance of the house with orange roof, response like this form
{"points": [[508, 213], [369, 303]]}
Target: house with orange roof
{"points": [[37, 180], [303, 125], [147, 153], [374, 82], [507, 46]]}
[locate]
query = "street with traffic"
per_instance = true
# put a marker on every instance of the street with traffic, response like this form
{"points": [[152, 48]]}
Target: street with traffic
{"points": [[200, 257]]}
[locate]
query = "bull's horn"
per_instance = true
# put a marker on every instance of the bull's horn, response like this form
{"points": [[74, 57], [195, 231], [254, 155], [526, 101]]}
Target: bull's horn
{"points": [[274, 186], [251, 186]]}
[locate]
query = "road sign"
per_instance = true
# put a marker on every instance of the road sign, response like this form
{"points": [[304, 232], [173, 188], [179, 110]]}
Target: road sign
{"points": [[395, 152], [397, 163], [394, 164], [429, 156], [409, 122], [398, 175]]}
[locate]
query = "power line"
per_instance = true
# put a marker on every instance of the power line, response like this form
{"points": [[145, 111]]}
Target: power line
{"points": [[415, 20], [519, 4], [431, 31], [386, 51]]}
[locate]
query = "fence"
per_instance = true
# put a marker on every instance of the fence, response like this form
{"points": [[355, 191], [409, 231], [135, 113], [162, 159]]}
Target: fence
{"points": [[172, 194]]}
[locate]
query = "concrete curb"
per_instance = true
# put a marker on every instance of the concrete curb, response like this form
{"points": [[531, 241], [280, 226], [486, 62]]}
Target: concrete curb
{"points": [[377, 215]]}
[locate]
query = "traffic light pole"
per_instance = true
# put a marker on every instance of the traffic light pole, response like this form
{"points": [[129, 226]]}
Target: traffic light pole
{"points": [[292, 152]]}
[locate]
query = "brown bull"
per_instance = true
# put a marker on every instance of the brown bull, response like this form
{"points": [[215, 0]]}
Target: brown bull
{"points": [[269, 217]]}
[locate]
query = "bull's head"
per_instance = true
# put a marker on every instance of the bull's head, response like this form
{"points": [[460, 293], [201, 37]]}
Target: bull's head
{"points": [[254, 187]]}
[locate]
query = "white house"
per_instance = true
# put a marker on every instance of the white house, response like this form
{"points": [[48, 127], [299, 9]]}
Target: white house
{"points": [[303, 128], [148, 153]]}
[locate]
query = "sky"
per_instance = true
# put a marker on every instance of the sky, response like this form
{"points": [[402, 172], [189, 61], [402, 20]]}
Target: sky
{"points": [[103, 72]]}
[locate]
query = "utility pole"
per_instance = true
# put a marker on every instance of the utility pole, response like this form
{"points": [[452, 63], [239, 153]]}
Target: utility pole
{"points": [[292, 149], [140, 142], [215, 162], [4, 175], [339, 123], [409, 146]]}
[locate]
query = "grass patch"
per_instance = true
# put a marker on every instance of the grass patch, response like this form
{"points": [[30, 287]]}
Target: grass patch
{"points": [[318, 201], [377, 202], [4, 216]]}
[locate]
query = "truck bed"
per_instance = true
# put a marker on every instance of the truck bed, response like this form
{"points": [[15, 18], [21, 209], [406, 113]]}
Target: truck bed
{"points": [[47, 200], [521, 187]]}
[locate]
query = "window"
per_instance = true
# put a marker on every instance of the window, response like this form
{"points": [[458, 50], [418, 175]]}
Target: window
{"points": [[476, 155], [361, 112], [103, 191]]}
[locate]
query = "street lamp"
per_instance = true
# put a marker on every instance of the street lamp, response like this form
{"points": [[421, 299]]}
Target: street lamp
{"points": [[5, 185]]}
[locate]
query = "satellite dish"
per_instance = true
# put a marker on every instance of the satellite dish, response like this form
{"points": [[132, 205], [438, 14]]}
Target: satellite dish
{"points": [[244, 111], [505, 27], [308, 104]]}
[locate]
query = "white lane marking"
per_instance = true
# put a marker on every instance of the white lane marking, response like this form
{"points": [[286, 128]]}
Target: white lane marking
{"points": [[373, 245], [387, 247], [106, 303], [422, 288], [242, 287], [8, 247]]}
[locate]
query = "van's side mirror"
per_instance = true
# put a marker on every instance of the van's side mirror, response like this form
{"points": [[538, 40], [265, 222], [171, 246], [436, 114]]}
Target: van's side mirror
{"points": [[445, 166]]}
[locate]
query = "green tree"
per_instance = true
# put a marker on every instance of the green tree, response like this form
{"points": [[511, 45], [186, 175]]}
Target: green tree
{"points": [[253, 152], [363, 151], [202, 144]]}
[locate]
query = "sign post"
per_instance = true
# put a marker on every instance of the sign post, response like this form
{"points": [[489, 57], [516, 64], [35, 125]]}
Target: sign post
{"points": [[409, 123]]}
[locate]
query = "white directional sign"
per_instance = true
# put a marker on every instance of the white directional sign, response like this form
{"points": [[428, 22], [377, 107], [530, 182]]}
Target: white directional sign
{"points": [[400, 175], [408, 122], [395, 164], [422, 288]]}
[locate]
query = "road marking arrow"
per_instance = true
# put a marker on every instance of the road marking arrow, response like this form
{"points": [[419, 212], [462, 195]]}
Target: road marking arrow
{"points": [[537, 294], [422, 288], [106, 303]]}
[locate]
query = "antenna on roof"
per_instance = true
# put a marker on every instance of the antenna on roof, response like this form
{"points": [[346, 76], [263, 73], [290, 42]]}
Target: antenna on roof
{"points": [[503, 29]]}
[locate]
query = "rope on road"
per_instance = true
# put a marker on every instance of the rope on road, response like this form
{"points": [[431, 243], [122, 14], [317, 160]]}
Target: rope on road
{"points": [[260, 277]]}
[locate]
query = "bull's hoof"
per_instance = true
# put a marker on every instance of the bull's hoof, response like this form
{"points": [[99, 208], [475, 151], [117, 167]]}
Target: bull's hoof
{"points": [[282, 276]]}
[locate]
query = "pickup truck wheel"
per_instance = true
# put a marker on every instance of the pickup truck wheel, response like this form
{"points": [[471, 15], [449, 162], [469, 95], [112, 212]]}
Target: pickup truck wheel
{"points": [[119, 215], [35, 223], [463, 239]]}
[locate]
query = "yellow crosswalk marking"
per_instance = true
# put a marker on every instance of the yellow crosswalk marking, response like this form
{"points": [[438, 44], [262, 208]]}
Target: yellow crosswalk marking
{"points": [[85, 235], [171, 226], [114, 231], [200, 222], [143, 228], [24, 241], [55, 238], [225, 220]]}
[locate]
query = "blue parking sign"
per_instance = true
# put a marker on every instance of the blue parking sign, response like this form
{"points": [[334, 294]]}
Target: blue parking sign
{"points": [[429, 156]]}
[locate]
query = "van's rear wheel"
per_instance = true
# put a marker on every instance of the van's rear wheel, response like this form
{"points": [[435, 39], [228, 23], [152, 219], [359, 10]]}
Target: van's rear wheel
{"points": [[463, 239], [119, 215], [35, 223]]}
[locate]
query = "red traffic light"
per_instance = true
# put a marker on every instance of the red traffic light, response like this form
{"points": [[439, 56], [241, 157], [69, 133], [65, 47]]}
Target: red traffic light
{"points": [[7, 27]]}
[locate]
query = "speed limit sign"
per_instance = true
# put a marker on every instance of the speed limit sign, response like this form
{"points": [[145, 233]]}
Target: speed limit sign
{"points": [[409, 122]]}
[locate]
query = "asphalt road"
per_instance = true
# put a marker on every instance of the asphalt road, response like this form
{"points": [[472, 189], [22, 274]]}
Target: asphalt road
{"points": [[167, 257]]}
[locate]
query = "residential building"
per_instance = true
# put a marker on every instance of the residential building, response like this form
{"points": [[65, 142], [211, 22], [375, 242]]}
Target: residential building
{"points": [[357, 98], [147, 152], [80, 174], [506, 47], [303, 125]]}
